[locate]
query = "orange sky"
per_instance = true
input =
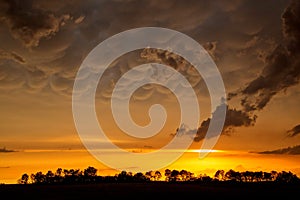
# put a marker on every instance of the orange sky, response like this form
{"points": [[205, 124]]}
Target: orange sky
{"points": [[255, 46]]}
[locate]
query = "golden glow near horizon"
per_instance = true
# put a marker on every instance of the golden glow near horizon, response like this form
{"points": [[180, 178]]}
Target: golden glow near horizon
{"points": [[32, 161]]}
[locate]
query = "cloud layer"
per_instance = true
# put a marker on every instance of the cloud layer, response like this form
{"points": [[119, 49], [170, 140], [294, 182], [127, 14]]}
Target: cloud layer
{"points": [[294, 131], [295, 150], [234, 118], [29, 24], [282, 65], [43, 44], [54, 38]]}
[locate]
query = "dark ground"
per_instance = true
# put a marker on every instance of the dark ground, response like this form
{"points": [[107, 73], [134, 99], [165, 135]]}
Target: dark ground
{"points": [[152, 190]]}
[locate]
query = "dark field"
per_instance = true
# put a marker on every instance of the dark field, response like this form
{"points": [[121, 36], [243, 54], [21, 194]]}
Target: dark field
{"points": [[153, 190]]}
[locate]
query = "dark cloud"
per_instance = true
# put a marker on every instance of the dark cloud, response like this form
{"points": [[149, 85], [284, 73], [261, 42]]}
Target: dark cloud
{"points": [[282, 65], [60, 35], [183, 130], [294, 131], [281, 71], [295, 150], [291, 22], [44, 42], [211, 47], [30, 24], [234, 118], [4, 150], [149, 55], [173, 60]]}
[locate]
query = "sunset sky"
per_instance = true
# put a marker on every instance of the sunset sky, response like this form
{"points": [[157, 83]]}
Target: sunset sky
{"points": [[254, 44]]}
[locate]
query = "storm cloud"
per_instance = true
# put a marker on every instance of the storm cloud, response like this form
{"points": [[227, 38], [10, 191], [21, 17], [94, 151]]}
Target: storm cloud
{"points": [[282, 65], [294, 131], [29, 24], [234, 118], [54, 38], [44, 43]]}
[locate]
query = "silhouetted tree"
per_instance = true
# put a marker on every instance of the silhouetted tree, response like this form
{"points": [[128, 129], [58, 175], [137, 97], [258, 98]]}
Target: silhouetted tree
{"points": [[168, 174], [58, 172], [258, 176], [49, 177], [247, 176], [186, 175], [204, 178], [220, 175], [174, 175], [267, 176], [153, 176], [90, 171], [72, 175], [157, 175], [124, 176], [140, 177], [150, 175], [274, 175], [58, 178], [233, 176], [38, 178], [89, 175], [24, 179], [286, 177]]}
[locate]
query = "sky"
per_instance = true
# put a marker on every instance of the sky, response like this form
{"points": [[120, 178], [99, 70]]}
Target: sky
{"points": [[254, 44]]}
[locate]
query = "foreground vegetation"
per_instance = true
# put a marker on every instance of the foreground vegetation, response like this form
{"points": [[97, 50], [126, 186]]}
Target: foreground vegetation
{"points": [[89, 175]]}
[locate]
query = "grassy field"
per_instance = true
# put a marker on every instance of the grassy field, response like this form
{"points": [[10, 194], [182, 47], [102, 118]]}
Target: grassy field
{"points": [[152, 190]]}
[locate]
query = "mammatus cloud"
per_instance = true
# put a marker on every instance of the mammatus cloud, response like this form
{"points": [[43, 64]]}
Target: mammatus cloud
{"points": [[282, 65], [281, 70], [59, 35], [172, 60], [295, 150], [25, 64], [7, 55], [56, 42], [294, 131], [149, 55]]}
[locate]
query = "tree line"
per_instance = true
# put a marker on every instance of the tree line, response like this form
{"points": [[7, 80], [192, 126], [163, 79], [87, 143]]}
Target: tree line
{"points": [[89, 175]]}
